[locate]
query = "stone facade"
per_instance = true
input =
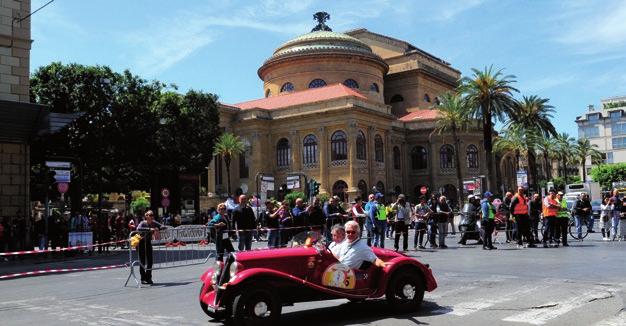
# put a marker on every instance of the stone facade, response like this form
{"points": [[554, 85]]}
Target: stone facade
{"points": [[394, 119], [15, 46], [14, 180]]}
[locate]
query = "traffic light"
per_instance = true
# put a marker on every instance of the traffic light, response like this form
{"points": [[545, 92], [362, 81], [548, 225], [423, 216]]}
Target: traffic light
{"points": [[42, 180], [314, 188]]}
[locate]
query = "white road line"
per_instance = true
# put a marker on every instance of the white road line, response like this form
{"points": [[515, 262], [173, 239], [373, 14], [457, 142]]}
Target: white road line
{"points": [[447, 293], [469, 307], [619, 320], [555, 309]]}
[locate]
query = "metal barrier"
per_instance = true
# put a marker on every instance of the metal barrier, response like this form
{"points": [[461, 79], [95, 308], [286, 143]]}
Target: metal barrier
{"points": [[171, 247]]}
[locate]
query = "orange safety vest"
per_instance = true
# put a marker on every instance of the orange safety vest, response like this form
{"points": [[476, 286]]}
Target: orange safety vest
{"points": [[550, 211], [521, 208]]}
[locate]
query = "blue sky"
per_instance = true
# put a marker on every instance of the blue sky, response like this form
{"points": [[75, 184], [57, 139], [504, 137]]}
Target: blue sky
{"points": [[572, 52]]}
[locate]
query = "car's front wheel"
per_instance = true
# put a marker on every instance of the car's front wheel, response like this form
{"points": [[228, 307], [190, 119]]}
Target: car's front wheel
{"points": [[256, 305], [405, 291], [218, 315]]}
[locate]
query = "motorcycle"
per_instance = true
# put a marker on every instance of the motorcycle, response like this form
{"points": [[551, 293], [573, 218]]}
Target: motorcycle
{"points": [[469, 225]]}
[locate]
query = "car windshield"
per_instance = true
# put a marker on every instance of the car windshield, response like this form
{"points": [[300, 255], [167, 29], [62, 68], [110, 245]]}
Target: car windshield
{"points": [[308, 239]]}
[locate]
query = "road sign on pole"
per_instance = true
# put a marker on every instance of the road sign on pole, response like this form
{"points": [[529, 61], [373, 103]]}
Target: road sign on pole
{"points": [[423, 190], [165, 202], [165, 192], [63, 187]]}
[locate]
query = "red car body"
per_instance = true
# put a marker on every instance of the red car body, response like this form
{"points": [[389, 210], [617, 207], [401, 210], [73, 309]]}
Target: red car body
{"points": [[285, 276]]}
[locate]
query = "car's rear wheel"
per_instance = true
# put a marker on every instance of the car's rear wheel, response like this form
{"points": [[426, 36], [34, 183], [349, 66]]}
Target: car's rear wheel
{"points": [[219, 315], [256, 305], [405, 291]]}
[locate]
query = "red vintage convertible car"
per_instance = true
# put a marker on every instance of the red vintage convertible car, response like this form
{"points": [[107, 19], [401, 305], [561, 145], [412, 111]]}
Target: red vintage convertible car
{"points": [[251, 287]]}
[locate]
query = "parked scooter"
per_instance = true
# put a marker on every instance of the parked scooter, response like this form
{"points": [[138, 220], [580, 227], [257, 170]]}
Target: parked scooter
{"points": [[469, 226]]}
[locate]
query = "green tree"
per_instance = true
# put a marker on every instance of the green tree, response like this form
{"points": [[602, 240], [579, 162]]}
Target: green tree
{"points": [[533, 116], [606, 174], [585, 149], [229, 146], [454, 117], [490, 95], [512, 141], [565, 148], [547, 147]]}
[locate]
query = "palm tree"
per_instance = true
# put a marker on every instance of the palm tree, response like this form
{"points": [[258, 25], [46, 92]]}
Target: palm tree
{"points": [[565, 151], [512, 141], [585, 149], [490, 94], [533, 115], [454, 117], [228, 146], [547, 146]]}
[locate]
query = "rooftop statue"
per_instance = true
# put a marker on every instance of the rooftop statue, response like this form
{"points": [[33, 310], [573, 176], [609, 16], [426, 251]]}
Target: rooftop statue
{"points": [[321, 18]]}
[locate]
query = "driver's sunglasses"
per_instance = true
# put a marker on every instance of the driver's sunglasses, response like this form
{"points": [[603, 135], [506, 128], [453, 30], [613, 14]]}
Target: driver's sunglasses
{"points": [[350, 232]]}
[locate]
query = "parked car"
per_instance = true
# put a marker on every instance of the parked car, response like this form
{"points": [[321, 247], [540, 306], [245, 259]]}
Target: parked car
{"points": [[252, 287]]}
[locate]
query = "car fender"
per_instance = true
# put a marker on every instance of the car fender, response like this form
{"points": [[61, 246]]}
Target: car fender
{"points": [[404, 262], [255, 273]]}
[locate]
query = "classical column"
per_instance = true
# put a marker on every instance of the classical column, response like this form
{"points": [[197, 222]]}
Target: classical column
{"points": [[323, 142], [211, 176], [404, 169], [296, 151], [371, 156], [387, 154], [256, 157], [352, 162], [433, 162]]}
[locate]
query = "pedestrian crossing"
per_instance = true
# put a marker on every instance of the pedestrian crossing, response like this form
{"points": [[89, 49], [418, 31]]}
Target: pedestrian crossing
{"points": [[507, 301]]}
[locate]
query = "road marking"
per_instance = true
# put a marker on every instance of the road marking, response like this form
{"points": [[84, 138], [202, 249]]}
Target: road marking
{"points": [[447, 293], [469, 307], [619, 320], [553, 310]]}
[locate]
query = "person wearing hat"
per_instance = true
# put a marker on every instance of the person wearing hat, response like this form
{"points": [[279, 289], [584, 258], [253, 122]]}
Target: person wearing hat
{"points": [[378, 214], [551, 209], [488, 221], [402, 211]]}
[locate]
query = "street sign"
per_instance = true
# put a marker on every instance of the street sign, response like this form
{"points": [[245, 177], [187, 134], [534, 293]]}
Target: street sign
{"points": [[57, 164], [423, 190], [522, 178], [63, 187], [165, 192], [62, 176], [165, 202]]}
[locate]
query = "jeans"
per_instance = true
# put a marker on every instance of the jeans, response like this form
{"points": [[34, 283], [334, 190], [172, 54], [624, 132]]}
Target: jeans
{"points": [[379, 233], [549, 229], [580, 220], [443, 231], [615, 220], [245, 240], [43, 242], [420, 229], [489, 226], [590, 223], [273, 238], [402, 229], [369, 228], [432, 234], [221, 246]]}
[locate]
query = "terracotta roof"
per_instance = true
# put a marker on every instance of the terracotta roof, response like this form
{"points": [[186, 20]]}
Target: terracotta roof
{"points": [[420, 115], [302, 97]]}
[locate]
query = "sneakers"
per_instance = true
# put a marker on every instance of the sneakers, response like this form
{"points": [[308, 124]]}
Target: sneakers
{"points": [[605, 239], [443, 247], [519, 246], [421, 247]]}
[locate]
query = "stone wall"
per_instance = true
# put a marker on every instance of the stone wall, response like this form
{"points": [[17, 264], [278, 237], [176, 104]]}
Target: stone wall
{"points": [[15, 45], [14, 180]]}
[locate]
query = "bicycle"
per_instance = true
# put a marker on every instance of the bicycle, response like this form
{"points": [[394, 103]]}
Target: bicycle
{"points": [[584, 229]]}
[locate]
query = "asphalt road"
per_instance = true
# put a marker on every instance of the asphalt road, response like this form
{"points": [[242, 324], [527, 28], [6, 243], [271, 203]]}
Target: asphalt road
{"points": [[584, 284]]}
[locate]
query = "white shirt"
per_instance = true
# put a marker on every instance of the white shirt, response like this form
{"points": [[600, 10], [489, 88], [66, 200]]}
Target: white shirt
{"points": [[354, 254], [336, 247]]}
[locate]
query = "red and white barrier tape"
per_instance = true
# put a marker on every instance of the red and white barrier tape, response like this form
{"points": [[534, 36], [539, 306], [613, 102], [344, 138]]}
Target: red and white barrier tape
{"points": [[60, 270], [27, 252]]}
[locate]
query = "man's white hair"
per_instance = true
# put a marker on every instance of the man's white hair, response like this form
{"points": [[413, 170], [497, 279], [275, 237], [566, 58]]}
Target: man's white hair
{"points": [[353, 224]]}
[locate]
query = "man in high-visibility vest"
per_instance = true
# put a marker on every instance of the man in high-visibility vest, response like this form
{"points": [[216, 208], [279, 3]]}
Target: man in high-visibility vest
{"points": [[562, 220], [488, 221], [519, 209], [551, 208]]}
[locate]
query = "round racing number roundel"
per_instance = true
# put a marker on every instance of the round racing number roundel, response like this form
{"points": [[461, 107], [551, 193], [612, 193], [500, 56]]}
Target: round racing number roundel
{"points": [[339, 276]]}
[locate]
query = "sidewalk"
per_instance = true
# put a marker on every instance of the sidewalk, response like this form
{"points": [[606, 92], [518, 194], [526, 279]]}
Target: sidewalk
{"points": [[36, 262]]}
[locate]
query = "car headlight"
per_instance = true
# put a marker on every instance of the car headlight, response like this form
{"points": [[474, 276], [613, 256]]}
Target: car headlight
{"points": [[235, 268], [217, 271]]}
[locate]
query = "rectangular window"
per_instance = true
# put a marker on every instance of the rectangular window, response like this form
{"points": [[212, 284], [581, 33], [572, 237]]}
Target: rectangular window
{"points": [[588, 132], [618, 129], [609, 157], [593, 117], [619, 142], [616, 115]]}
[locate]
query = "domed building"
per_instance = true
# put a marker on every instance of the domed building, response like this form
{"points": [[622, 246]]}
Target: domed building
{"points": [[352, 110]]}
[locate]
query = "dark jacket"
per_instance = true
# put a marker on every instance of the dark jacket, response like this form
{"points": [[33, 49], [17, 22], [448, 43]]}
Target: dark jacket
{"points": [[580, 204], [534, 208], [316, 216], [244, 219]]}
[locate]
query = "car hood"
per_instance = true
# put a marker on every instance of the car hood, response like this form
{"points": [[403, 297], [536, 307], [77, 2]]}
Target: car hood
{"points": [[265, 254]]}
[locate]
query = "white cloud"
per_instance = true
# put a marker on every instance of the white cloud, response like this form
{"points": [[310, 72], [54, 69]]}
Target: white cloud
{"points": [[545, 83], [594, 27], [450, 10]]}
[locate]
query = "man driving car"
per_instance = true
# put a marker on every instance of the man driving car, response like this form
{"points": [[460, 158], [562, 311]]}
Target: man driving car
{"points": [[353, 251]]}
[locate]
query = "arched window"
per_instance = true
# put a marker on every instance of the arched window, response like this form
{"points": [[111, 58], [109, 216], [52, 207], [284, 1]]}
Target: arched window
{"points": [[397, 190], [244, 171], [315, 83], [287, 87], [361, 151], [351, 83], [419, 158], [338, 146], [426, 98], [363, 189], [396, 98], [379, 151], [374, 88], [472, 157], [268, 93], [283, 153], [446, 156], [309, 150], [396, 158]]}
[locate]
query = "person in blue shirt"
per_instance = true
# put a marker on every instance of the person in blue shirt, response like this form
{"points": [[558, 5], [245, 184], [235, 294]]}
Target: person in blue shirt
{"points": [[378, 222], [300, 216], [369, 221]]}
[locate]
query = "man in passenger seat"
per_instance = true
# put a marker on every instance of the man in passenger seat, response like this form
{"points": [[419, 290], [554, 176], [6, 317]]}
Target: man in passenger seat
{"points": [[354, 251]]}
